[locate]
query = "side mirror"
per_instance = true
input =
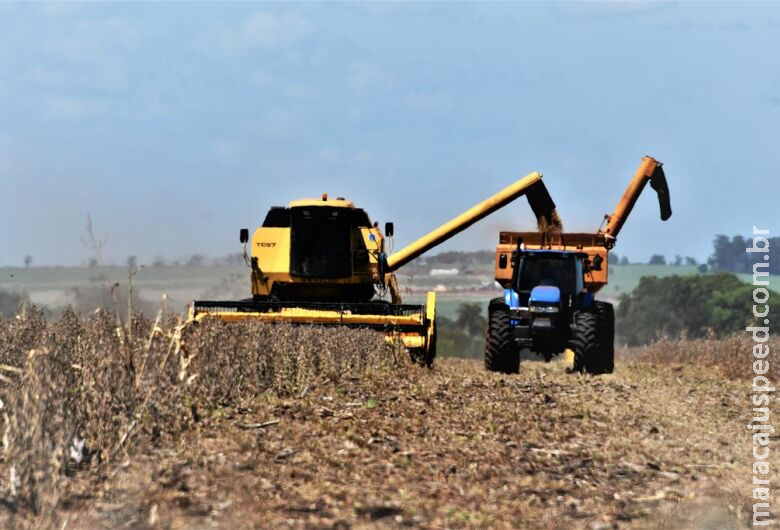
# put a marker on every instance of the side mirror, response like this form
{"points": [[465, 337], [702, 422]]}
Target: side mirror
{"points": [[244, 235], [597, 261], [388, 229], [502, 261]]}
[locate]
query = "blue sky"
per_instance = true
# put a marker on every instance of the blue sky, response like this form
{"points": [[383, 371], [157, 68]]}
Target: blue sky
{"points": [[176, 124]]}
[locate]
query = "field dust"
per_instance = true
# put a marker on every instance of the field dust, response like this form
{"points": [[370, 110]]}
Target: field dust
{"points": [[259, 426]]}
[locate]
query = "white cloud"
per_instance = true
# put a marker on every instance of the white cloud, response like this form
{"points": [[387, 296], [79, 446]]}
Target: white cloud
{"points": [[366, 77], [617, 7], [364, 157], [279, 121], [228, 150], [5, 155], [67, 107], [44, 76], [428, 102], [87, 40], [331, 154], [337, 155], [265, 30], [75, 55], [103, 74]]}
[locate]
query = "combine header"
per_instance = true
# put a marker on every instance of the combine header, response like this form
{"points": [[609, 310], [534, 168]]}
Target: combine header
{"points": [[323, 262]]}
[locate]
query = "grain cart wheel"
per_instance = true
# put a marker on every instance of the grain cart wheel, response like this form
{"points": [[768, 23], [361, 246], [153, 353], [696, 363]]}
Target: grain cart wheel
{"points": [[606, 315], [586, 343], [501, 352]]}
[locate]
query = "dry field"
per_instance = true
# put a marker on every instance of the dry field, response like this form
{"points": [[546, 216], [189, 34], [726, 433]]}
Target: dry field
{"points": [[254, 426]]}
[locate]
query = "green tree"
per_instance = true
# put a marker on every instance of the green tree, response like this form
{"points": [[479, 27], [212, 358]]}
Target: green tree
{"points": [[729, 254], [690, 305], [473, 324], [465, 335]]}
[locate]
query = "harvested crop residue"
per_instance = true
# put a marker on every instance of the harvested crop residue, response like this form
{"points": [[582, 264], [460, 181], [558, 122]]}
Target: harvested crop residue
{"points": [[372, 441]]}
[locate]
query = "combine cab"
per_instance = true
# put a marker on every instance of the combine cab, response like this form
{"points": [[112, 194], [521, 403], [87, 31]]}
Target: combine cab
{"points": [[550, 280], [323, 262]]}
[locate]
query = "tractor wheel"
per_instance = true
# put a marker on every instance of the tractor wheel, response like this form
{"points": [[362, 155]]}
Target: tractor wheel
{"points": [[501, 352], [586, 342], [606, 315]]}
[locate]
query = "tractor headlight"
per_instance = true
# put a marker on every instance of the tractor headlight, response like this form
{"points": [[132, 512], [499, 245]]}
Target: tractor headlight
{"points": [[544, 309]]}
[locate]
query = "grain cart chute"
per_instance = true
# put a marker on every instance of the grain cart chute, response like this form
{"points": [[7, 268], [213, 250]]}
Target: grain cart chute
{"points": [[550, 280], [322, 261]]}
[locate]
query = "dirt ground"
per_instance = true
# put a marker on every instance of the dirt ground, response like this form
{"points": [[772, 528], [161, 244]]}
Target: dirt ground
{"points": [[453, 447]]}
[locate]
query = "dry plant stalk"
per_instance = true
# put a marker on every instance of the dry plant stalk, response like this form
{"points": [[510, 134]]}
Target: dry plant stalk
{"points": [[731, 356], [79, 393]]}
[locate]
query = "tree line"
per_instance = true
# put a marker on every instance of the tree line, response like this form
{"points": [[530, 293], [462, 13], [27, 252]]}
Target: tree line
{"points": [[729, 255], [693, 306]]}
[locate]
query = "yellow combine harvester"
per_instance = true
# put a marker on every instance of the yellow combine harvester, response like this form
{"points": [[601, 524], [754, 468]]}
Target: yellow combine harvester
{"points": [[322, 261]]}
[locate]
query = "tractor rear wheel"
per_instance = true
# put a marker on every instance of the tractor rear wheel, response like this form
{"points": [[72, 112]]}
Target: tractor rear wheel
{"points": [[501, 352], [586, 342], [606, 315]]}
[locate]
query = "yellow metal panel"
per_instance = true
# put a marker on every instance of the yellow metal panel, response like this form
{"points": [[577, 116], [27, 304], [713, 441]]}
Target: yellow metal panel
{"points": [[503, 276], [430, 306], [632, 193], [336, 203], [461, 222], [411, 339], [375, 246], [591, 244], [271, 247], [568, 356], [413, 342], [309, 316], [430, 318]]}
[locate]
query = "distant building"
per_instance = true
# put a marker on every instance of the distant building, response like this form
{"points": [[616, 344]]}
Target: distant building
{"points": [[444, 272]]}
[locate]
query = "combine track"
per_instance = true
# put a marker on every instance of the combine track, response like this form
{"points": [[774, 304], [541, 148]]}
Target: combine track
{"points": [[647, 447]]}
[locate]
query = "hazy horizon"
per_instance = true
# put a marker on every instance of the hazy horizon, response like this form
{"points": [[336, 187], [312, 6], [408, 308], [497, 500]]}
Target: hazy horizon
{"points": [[174, 125]]}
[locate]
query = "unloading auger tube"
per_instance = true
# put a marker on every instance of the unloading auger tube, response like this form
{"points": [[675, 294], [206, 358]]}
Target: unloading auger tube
{"points": [[531, 185], [650, 170]]}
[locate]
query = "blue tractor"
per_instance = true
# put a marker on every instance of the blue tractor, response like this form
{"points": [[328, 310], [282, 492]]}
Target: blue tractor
{"points": [[546, 310], [550, 280]]}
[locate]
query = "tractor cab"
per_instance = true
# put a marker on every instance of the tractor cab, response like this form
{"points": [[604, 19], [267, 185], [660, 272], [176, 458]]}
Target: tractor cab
{"points": [[548, 278], [547, 288], [547, 308]]}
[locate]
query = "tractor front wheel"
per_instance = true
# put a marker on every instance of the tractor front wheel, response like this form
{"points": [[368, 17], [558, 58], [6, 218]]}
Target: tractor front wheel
{"points": [[501, 352]]}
